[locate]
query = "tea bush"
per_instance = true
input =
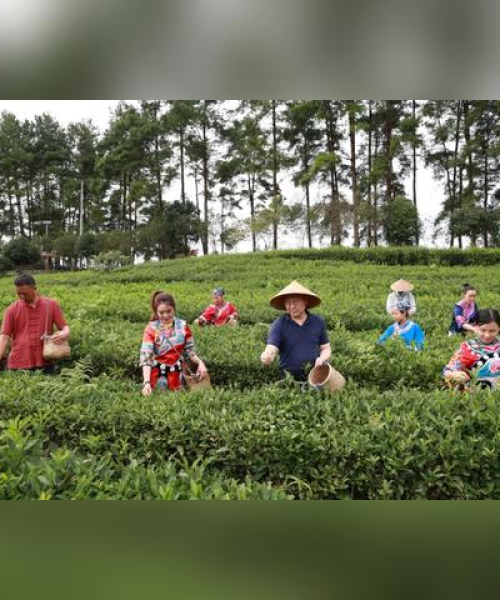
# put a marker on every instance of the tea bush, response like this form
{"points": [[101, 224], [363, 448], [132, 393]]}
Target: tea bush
{"points": [[100, 438], [393, 433]]}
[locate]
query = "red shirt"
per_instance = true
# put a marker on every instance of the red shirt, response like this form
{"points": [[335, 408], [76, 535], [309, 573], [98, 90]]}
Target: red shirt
{"points": [[215, 315], [26, 325]]}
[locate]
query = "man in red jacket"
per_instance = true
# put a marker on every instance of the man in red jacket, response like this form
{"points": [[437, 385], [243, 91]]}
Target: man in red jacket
{"points": [[25, 324]]}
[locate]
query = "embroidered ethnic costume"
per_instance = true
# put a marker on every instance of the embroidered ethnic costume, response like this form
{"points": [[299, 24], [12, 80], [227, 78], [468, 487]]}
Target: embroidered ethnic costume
{"points": [[483, 359], [410, 333], [218, 315], [164, 349], [462, 313]]}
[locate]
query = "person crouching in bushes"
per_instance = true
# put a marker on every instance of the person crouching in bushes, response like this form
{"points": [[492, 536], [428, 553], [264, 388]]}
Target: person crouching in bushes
{"points": [[479, 356], [221, 312], [167, 344], [298, 336], [401, 292], [465, 312], [411, 333]]}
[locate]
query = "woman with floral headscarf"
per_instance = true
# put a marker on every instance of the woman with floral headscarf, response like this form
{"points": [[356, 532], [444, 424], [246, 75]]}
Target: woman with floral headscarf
{"points": [[411, 333]]}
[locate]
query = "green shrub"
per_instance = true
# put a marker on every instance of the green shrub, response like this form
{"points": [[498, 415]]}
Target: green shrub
{"points": [[100, 438], [393, 433], [21, 252]]}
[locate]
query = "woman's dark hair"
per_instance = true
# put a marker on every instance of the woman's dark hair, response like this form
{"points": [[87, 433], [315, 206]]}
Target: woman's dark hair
{"points": [[467, 287], [158, 298], [487, 315], [25, 279]]}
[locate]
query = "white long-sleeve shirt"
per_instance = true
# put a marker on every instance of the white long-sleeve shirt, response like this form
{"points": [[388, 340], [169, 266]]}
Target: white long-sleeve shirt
{"points": [[394, 297]]}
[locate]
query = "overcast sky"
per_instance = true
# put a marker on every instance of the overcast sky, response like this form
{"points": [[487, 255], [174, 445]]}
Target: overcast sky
{"points": [[429, 193], [65, 111]]}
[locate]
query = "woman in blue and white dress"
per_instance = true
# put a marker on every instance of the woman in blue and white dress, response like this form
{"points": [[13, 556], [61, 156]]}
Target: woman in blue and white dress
{"points": [[411, 333]]}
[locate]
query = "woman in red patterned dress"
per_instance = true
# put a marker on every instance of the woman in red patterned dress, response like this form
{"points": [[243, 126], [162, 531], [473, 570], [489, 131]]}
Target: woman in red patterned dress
{"points": [[167, 344], [221, 312]]}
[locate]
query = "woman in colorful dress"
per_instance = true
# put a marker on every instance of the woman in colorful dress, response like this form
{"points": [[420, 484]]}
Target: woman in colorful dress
{"points": [[411, 333], [167, 344], [401, 292], [221, 312], [465, 312], [479, 356]]}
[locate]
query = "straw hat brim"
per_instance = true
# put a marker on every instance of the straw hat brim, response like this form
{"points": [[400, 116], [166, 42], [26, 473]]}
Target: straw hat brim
{"points": [[294, 289], [401, 286]]}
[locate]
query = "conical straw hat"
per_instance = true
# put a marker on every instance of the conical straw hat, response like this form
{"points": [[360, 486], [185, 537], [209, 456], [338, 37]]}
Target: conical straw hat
{"points": [[295, 289], [401, 285]]}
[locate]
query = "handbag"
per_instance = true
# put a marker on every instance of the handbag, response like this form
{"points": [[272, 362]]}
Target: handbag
{"points": [[51, 350]]}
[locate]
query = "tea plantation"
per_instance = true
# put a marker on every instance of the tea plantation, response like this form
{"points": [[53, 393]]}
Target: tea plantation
{"points": [[394, 432]]}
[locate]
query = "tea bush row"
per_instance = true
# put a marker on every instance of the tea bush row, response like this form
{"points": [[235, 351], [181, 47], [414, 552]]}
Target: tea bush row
{"points": [[232, 355], [359, 444], [31, 467], [401, 256], [353, 295]]}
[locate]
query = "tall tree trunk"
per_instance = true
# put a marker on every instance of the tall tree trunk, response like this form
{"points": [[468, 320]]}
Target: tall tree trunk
{"points": [[29, 197], [485, 194], [370, 216], [467, 136], [206, 187], [460, 194], [388, 156], [469, 163], [12, 231], [354, 178], [81, 211], [222, 226], [20, 214], [129, 203], [376, 224], [275, 175], [124, 202], [252, 211], [308, 216], [159, 186], [183, 183], [196, 190], [335, 224], [414, 114], [450, 191], [305, 166], [458, 118]]}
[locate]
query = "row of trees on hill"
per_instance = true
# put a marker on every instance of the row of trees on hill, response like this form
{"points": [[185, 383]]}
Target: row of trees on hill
{"points": [[167, 173]]}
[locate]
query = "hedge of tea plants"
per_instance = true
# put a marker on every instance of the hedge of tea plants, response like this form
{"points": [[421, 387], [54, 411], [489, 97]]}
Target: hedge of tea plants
{"points": [[394, 432]]}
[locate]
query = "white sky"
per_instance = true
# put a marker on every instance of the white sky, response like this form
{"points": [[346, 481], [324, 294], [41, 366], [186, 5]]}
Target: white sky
{"points": [[65, 111], [429, 192]]}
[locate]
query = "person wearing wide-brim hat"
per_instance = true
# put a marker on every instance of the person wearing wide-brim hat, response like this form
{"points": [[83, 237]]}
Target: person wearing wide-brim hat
{"points": [[298, 336], [401, 293]]}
